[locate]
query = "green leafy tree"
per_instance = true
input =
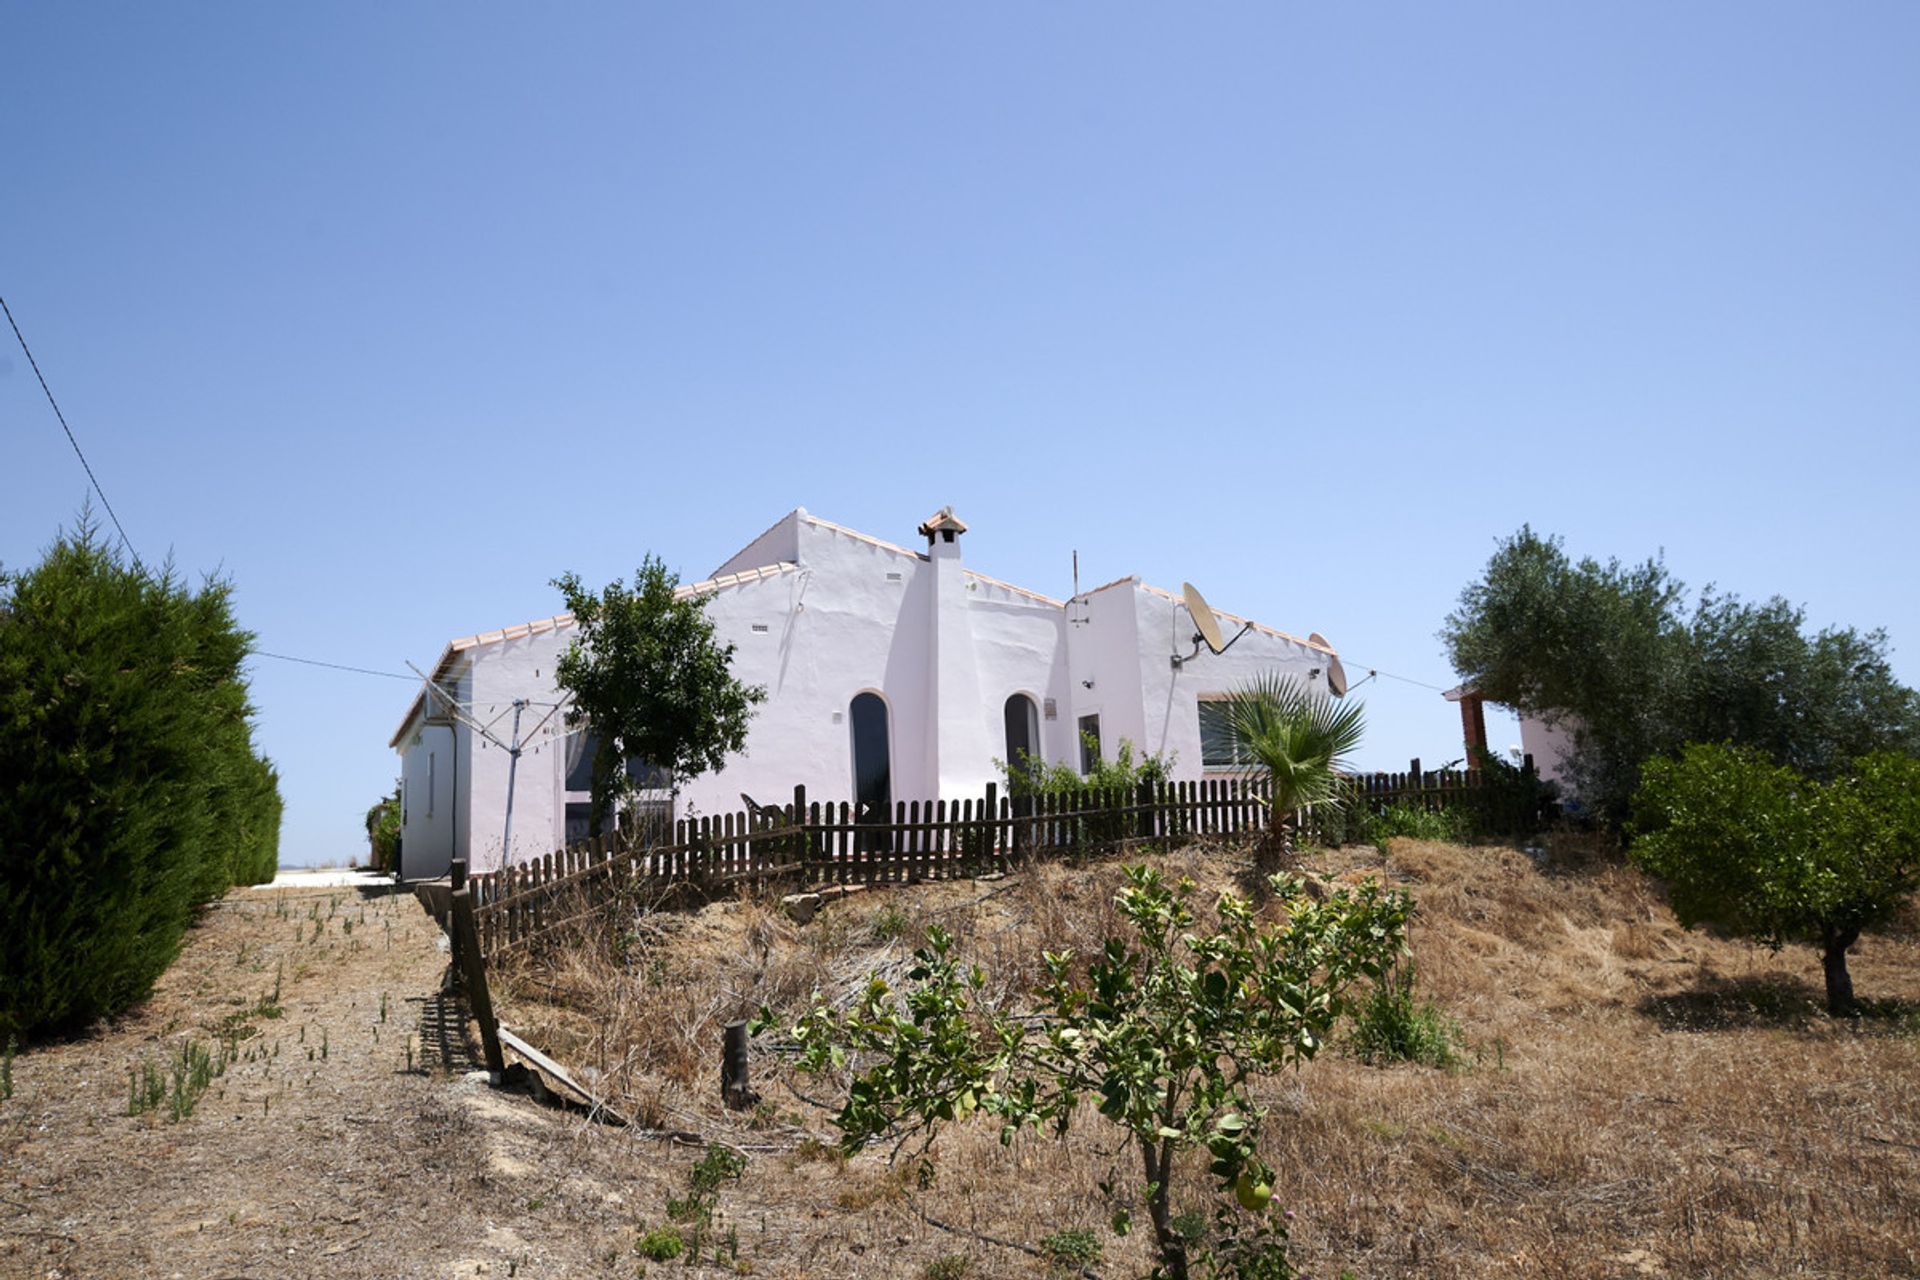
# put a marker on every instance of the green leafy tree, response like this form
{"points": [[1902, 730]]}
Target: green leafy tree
{"points": [[1299, 741], [1161, 1034], [383, 832], [1763, 852], [1614, 653], [130, 787], [647, 673]]}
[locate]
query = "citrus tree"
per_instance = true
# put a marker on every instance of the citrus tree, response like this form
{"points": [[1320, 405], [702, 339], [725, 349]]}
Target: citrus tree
{"points": [[1160, 1034], [647, 672], [1762, 852], [1299, 741]]}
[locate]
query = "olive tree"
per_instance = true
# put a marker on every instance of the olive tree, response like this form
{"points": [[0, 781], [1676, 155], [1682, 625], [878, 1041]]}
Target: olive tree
{"points": [[1160, 1034], [1618, 654], [1763, 852], [648, 674]]}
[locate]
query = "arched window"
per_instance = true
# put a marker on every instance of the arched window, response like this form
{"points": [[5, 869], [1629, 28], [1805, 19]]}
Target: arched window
{"points": [[1023, 731]]}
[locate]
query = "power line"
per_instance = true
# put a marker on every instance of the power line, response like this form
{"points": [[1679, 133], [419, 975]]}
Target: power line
{"points": [[1374, 671], [337, 666], [124, 539]]}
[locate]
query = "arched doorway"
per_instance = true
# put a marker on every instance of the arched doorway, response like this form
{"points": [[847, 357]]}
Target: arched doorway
{"points": [[1023, 732], [872, 765]]}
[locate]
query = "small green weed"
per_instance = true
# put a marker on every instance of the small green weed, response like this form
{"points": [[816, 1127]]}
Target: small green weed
{"points": [[950, 1266], [1071, 1248], [178, 1087], [719, 1165], [891, 922], [1393, 1026], [662, 1244]]}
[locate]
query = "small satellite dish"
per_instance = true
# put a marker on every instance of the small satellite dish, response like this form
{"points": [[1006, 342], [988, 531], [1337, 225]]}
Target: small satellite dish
{"points": [[1336, 674], [1205, 625]]}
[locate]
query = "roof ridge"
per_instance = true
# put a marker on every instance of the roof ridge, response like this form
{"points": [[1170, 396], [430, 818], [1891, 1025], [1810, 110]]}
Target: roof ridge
{"points": [[540, 626], [858, 536], [990, 580], [1249, 622]]}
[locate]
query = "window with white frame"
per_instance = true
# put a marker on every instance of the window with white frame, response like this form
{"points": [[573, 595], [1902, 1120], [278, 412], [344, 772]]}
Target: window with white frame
{"points": [[1221, 750]]}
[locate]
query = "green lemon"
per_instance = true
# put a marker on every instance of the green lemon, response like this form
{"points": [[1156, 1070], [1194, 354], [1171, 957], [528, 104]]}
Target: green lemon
{"points": [[1253, 1196]]}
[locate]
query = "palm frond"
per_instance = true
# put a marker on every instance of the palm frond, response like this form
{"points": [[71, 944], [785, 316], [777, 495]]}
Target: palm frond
{"points": [[1299, 739]]}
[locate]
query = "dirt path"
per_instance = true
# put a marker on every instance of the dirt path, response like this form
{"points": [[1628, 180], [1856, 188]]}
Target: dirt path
{"points": [[341, 1141]]}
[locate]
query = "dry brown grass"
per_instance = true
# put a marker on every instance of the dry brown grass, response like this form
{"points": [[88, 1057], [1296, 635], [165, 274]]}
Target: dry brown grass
{"points": [[1644, 1101]]}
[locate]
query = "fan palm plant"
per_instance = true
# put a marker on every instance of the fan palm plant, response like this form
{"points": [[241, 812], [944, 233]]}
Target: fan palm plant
{"points": [[1299, 741]]}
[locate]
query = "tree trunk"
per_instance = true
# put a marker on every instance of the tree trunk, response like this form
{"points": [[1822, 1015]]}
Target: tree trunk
{"points": [[1173, 1248], [1833, 959], [1275, 852]]}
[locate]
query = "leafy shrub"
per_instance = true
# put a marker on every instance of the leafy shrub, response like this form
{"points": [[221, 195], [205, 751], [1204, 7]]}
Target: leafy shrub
{"points": [[662, 1244], [1118, 778], [951, 1266], [1392, 1026], [1159, 1032], [130, 788], [1418, 824], [383, 833], [1032, 776]]}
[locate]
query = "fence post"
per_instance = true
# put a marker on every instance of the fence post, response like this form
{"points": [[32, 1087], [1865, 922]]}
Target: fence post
{"points": [[1418, 783], [802, 842], [734, 1090], [456, 881], [989, 829], [474, 976]]}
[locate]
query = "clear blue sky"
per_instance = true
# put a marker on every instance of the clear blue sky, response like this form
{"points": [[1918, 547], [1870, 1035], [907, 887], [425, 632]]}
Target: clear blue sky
{"points": [[392, 313]]}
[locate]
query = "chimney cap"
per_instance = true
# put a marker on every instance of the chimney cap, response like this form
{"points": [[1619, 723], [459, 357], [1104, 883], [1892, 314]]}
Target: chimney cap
{"points": [[942, 521]]}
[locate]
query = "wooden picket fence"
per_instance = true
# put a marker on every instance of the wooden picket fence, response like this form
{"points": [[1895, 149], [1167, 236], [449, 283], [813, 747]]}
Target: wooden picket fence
{"points": [[808, 844]]}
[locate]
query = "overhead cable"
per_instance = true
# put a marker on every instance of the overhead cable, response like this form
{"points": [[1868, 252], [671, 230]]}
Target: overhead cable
{"points": [[337, 666], [78, 452]]}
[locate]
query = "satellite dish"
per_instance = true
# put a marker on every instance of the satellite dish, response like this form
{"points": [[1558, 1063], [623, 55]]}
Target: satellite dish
{"points": [[1204, 623], [1336, 674]]}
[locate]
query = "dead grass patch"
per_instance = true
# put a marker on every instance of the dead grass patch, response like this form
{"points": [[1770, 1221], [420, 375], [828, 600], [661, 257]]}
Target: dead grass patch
{"points": [[1640, 1099]]}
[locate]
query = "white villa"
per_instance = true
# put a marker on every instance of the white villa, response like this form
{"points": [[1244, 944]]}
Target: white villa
{"points": [[891, 674]]}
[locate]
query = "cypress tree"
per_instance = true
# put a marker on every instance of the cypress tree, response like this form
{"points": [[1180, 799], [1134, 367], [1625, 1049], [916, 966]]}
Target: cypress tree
{"points": [[130, 788]]}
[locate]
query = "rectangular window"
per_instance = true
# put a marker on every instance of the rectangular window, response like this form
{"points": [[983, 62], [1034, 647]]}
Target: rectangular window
{"points": [[1220, 746], [430, 784], [653, 813], [581, 747], [1089, 743]]}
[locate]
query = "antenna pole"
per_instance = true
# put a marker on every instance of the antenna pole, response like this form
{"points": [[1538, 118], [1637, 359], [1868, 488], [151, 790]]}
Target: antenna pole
{"points": [[513, 767], [1076, 573]]}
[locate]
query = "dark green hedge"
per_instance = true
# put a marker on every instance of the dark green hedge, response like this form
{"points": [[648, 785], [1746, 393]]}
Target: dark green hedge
{"points": [[130, 788]]}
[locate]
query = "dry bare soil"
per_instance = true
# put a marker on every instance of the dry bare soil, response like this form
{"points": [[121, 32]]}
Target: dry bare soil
{"points": [[1636, 1100]]}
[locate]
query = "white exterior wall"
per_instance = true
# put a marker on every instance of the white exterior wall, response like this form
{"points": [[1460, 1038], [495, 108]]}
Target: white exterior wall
{"points": [[1103, 651], [503, 671], [838, 626], [428, 769], [1172, 695], [1550, 745], [943, 647]]}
